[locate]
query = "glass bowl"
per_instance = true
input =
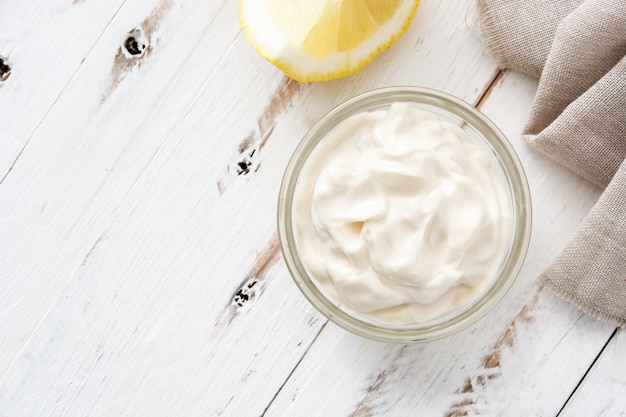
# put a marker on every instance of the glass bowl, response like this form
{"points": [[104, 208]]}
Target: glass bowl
{"points": [[481, 131]]}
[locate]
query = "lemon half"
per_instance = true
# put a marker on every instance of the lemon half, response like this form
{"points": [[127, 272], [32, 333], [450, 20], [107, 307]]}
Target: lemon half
{"points": [[319, 40]]}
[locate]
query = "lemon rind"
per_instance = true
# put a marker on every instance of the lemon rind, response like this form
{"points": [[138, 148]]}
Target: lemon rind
{"points": [[298, 64]]}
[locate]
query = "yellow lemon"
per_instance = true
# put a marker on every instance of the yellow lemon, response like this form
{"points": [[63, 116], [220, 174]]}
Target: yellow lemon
{"points": [[319, 40]]}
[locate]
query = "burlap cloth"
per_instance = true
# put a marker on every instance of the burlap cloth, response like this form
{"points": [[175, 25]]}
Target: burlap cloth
{"points": [[578, 50]]}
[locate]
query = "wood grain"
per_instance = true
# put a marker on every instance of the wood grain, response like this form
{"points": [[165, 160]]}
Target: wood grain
{"points": [[61, 214], [44, 45]]}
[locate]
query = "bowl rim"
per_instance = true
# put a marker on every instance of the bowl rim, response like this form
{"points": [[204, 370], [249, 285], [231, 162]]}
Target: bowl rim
{"points": [[521, 217]]}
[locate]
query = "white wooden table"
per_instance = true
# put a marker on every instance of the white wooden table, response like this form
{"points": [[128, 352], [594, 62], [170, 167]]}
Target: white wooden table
{"points": [[140, 273]]}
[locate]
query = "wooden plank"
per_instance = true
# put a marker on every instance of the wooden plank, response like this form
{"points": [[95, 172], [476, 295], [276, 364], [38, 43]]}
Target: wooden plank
{"points": [[92, 145], [43, 43], [479, 372], [603, 391], [528, 354], [150, 323]]}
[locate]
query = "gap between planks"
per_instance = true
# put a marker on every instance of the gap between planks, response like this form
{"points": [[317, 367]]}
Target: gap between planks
{"points": [[294, 368], [56, 99], [498, 74], [580, 382]]}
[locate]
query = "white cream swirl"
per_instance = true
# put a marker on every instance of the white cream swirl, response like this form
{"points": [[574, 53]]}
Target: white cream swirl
{"points": [[400, 216]]}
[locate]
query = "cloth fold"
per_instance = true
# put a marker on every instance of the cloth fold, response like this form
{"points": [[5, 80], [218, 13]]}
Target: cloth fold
{"points": [[578, 117]]}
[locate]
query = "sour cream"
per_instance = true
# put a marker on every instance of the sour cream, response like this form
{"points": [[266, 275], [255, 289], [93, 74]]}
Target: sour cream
{"points": [[400, 216]]}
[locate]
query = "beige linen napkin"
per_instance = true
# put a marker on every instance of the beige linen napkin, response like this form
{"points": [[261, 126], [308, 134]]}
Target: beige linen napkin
{"points": [[578, 49]]}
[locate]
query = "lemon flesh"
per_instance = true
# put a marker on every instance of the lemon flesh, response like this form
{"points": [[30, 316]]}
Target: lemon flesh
{"points": [[320, 40]]}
